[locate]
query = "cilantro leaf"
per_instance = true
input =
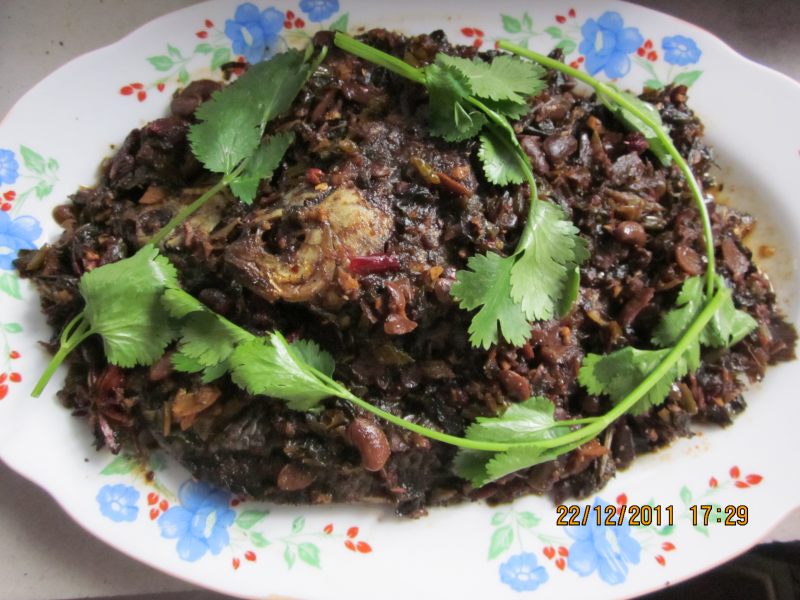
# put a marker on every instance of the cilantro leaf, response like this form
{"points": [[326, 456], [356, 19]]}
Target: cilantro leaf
{"points": [[262, 165], [228, 131], [317, 358], [275, 83], [516, 459], [504, 78], [450, 116], [123, 305], [214, 372], [179, 303], [689, 302], [634, 123], [500, 163], [471, 465], [540, 277], [528, 421], [727, 327], [271, 367], [186, 364], [572, 289], [487, 284], [617, 374], [540, 282], [508, 108], [480, 468], [261, 365], [523, 422], [232, 121], [206, 338]]}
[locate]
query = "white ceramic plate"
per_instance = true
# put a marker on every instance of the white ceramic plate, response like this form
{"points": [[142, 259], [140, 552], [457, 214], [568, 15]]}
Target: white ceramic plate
{"points": [[52, 142]]}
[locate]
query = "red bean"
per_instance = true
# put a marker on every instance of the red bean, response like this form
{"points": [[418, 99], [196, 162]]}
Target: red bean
{"points": [[442, 290], [63, 213], [559, 147], [293, 478], [734, 259], [630, 232], [371, 443], [161, 369], [688, 260], [515, 385]]}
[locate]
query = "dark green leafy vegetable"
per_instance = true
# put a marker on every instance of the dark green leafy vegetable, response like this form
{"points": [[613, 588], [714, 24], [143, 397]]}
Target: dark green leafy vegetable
{"points": [[123, 307], [539, 280]]}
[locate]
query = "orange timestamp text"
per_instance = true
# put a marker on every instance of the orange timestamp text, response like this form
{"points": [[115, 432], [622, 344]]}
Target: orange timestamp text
{"points": [[644, 515]]}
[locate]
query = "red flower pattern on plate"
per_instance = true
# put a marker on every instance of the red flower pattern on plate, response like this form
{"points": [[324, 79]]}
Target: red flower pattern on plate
{"points": [[571, 14], [9, 377], [646, 51], [354, 545], [475, 33], [560, 554], [6, 203]]}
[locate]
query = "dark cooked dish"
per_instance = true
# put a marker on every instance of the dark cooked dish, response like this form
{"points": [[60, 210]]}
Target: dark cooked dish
{"points": [[355, 242]]}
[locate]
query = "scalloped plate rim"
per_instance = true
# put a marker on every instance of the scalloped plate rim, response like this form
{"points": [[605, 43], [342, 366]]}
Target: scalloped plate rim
{"points": [[40, 479]]}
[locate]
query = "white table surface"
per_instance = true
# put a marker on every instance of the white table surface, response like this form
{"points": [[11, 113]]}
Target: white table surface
{"points": [[43, 554]]}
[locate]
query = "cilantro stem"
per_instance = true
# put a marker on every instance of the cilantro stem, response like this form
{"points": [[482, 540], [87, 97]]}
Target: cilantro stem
{"points": [[188, 210], [317, 61], [77, 330], [342, 392], [378, 57], [657, 129], [567, 422], [69, 328]]}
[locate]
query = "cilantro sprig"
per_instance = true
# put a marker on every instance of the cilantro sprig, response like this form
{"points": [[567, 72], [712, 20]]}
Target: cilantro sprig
{"points": [[122, 299], [229, 138], [636, 380], [133, 332], [616, 374], [469, 98], [648, 381], [644, 118]]}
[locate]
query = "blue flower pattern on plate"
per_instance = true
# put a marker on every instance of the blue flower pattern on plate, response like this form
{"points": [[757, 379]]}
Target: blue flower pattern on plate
{"points": [[15, 235], [606, 44], [200, 523], [9, 167], [254, 33], [319, 10], [522, 572], [680, 50], [118, 502], [607, 550]]}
